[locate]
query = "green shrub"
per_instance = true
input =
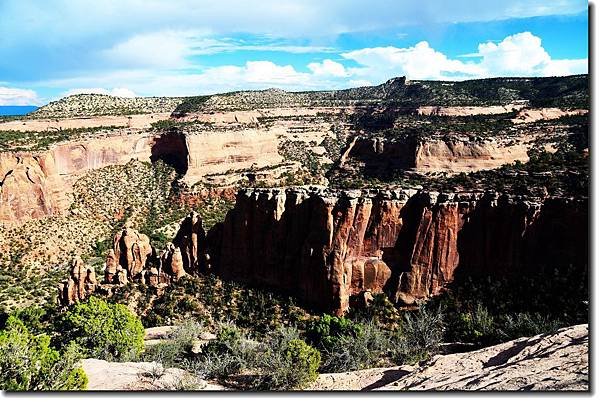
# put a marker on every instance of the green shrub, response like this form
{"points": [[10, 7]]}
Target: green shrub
{"points": [[419, 337], [226, 355], [380, 310], [347, 345], [34, 318], [105, 330], [324, 332], [305, 359], [364, 350], [285, 362], [476, 326], [174, 350], [513, 326], [28, 363]]}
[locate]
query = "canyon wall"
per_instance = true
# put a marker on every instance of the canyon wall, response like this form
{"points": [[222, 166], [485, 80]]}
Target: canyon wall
{"points": [[325, 246], [38, 184], [455, 154]]}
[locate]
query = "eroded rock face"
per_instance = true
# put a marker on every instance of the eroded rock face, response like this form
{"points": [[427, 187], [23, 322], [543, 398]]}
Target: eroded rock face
{"points": [[325, 246], [131, 251], [172, 262], [80, 285], [134, 259], [38, 184], [190, 243], [450, 155]]}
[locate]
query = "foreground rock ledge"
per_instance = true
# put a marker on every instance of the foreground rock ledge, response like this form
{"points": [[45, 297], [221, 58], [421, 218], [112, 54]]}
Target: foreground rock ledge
{"points": [[551, 362], [141, 376]]}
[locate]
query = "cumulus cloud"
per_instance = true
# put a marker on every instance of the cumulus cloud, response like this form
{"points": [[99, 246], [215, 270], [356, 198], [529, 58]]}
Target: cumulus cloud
{"points": [[18, 97], [521, 54], [328, 67], [417, 62], [122, 92]]}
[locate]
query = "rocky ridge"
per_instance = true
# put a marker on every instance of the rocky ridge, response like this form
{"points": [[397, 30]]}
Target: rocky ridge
{"points": [[100, 105]]}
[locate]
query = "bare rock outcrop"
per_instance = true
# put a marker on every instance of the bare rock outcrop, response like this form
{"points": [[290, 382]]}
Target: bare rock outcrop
{"points": [[547, 113], [133, 258], [190, 240], [326, 246], [172, 262], [80, 285], [131, 251], [454, 154], [141, 376], [556, 361]]}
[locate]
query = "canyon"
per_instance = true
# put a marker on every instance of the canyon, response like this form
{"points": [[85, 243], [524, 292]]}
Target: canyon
{"points": [[309, 234], [225, 148], [328, 248]]}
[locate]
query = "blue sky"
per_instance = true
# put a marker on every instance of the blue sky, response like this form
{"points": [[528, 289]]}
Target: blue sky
{"points": [[52, 48]]}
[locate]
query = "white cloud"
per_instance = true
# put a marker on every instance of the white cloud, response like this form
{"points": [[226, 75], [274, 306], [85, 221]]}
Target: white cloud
{"points": [[66, 21], [417, 62], [122, 92], [521, 54], [165, 49], [516, 55], [18, 97], [328, 67]]}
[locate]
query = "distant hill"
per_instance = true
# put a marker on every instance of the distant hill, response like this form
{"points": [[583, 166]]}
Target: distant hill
{"points": [[101, 105], [570, 91]]}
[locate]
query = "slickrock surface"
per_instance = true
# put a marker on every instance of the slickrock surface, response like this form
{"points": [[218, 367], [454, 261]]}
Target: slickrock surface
{"points": [[557, 361], [551, 362], [531, 115], [141, 376]]}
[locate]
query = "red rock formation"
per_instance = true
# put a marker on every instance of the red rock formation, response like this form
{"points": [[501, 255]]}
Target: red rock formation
{"points": [[325, 246], [189, 242], [134, 259], [80, 285], [131, 251], [172, 262]]}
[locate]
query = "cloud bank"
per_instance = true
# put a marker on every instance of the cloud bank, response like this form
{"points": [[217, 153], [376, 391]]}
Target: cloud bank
{"points": [[521, 54]]}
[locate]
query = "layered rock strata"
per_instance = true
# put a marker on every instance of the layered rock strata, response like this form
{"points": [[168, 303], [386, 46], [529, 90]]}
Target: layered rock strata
{"points": [[451, 155], [326, 246]]}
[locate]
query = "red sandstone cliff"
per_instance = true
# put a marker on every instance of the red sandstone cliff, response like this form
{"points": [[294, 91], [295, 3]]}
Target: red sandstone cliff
{"points": [[325, 246]]}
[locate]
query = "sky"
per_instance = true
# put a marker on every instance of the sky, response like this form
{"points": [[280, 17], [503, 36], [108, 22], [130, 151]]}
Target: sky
{"points": [[54, 48]]}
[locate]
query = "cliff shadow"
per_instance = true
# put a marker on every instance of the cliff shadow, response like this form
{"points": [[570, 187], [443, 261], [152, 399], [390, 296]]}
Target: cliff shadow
{"points": [[398, 257], [171, 148]]}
